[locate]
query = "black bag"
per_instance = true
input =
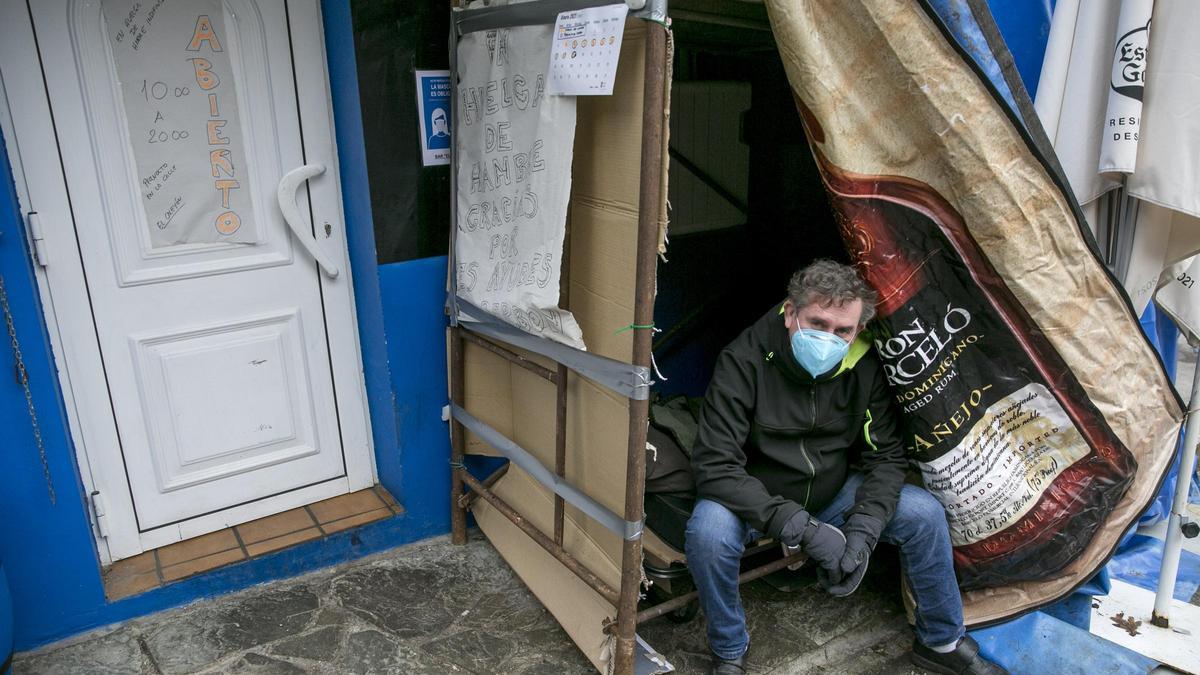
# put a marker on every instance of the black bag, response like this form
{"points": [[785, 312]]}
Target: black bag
{"points": [[670, 486], [668, 465]]}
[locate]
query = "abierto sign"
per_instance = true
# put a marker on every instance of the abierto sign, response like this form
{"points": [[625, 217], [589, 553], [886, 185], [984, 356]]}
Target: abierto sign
{"points": [[185, 128], [513, 162]]}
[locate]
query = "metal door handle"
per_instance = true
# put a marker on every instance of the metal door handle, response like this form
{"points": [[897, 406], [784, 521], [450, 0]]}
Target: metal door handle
{"points": [[288, 185]]}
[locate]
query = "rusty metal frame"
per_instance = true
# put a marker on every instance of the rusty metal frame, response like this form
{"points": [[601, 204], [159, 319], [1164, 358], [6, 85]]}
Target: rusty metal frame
{"points": [[668, 606], [650, 214], [624, 600], [482, 490], [553, 548]]}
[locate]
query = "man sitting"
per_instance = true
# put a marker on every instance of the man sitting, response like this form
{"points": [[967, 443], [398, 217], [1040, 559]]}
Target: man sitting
{"points": [[788, 399]]}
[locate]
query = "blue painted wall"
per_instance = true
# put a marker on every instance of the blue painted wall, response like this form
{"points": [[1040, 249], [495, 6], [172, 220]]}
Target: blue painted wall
{"points": [[47, 550], [400, 320], [414, 294], [1025, 25], [48, 554]]}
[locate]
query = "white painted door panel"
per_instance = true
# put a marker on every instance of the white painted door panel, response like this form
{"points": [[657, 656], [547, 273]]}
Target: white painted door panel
{"points": [[231, 370], [251, 377]]}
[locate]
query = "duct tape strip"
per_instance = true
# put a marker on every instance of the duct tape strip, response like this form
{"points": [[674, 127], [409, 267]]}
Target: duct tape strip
{"points": [[543, 12], [626, 529], [626, 379], [655, 10], [519, 14], [647, 661]]}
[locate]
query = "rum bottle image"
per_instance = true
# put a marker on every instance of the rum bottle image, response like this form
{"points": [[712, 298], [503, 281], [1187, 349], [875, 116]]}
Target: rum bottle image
{"points": [[1024, 463]]}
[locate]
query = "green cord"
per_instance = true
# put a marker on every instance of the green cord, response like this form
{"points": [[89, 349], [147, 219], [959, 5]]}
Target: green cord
{"points": [[632, 326]]}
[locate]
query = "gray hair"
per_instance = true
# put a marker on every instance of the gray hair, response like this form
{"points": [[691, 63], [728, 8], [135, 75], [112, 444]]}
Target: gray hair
{"points": [[830, 282]]}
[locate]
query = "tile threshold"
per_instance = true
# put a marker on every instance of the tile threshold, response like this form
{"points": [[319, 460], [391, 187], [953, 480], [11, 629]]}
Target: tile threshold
{"points": [[176, 562]]}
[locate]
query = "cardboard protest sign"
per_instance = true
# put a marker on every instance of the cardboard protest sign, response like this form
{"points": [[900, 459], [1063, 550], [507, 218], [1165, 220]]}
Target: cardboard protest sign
{"points": [[185, 127], [513, 160], [512, 400], [1039, 415]]}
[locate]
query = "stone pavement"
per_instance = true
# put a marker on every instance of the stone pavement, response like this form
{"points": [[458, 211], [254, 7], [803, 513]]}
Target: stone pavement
{"points": [[432, 608]]}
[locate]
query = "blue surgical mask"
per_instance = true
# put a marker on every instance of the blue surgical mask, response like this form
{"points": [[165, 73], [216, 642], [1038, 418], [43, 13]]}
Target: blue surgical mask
{"points": [[817, 351]]}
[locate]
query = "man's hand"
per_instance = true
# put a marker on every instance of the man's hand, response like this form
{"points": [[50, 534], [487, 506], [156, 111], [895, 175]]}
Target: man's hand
{"points": [[861, 532], [824, 543]]}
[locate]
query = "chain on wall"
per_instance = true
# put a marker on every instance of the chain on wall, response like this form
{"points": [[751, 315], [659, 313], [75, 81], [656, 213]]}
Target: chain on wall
{"points": [[23, 379]]}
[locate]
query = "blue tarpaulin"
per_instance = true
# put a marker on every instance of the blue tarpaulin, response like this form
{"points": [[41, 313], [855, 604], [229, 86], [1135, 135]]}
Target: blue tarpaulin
{"points": [[1139, 560], [1038, 643], [963, 24]]}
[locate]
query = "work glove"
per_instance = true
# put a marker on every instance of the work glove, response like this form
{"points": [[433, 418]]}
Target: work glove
{"points": [[824, 543], [861, 532]]}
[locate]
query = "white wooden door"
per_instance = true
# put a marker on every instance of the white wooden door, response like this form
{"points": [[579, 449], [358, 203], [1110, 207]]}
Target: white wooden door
{"points": [[225, 382]]}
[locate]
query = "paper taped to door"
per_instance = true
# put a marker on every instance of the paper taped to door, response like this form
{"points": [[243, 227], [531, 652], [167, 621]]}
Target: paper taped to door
{"points": [[185, 127]]}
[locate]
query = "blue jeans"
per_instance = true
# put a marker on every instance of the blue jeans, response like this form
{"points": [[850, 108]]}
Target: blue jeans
{"points": [[716, 539]]}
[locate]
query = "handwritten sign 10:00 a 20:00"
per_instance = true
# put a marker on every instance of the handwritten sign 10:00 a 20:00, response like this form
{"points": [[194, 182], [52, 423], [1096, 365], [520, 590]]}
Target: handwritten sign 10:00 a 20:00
{"points": [[183, 115]]}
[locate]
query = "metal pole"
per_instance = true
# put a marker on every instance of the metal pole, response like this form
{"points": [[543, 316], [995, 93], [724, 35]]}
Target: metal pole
{"points": [[458, 515], [675, 603], [560, 448], [1173, 547], [649, 216], [560, 382]]}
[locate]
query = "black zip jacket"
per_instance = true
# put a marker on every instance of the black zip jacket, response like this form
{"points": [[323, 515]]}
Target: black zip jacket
{"points": [[773, 440]]}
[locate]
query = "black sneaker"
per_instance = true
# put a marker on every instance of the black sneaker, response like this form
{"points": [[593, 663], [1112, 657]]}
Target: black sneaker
{"points": [[964, 660], [724, 667]]}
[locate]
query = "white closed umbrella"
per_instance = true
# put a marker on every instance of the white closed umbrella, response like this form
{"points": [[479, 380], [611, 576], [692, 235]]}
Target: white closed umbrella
{"points": [[1168, 178], [1108, 131], [1072, 93]]}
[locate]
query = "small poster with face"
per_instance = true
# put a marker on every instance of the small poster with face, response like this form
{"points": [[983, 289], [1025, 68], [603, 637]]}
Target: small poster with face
{"points": [[434, 105]]}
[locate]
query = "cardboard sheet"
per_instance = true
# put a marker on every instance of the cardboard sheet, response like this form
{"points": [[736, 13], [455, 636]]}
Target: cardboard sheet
{"points": [[579, 609], [604, 204], [603, 220]]}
